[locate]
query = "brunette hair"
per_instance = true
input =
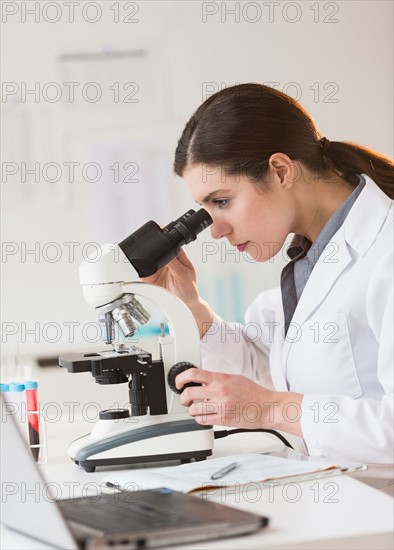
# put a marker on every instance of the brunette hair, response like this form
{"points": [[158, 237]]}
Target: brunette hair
{"points": [[240, 127]]}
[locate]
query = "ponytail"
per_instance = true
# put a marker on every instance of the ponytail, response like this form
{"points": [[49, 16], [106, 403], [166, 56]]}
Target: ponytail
{"points": [[348, 159]]}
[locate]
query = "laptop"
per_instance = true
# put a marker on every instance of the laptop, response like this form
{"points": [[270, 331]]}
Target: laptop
{"points": [[142, 519]]}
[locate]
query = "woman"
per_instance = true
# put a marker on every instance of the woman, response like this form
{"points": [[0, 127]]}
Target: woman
{"points": [[315, 357]]}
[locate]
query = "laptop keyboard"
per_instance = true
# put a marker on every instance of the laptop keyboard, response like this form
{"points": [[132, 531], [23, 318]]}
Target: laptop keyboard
{"points": [[113, 513]]}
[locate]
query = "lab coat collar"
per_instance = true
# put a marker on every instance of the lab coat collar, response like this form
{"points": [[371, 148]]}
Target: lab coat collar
{"points": [[367, 217]]}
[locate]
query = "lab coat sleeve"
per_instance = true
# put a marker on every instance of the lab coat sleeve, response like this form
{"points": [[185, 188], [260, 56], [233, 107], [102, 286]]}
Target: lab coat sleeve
{"points": [[236, 348], [349, 428]]}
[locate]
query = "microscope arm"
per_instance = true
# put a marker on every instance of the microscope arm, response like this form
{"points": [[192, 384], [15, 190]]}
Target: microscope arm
{"points": [[179, 318]]}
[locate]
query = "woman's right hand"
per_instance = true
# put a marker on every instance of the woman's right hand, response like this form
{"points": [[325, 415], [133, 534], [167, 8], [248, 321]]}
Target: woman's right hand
{"points": [[179, 277]]}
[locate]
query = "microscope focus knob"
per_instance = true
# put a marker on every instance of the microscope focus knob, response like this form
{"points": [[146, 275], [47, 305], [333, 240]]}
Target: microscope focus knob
{"points": [[177, 369], [114, 414]]}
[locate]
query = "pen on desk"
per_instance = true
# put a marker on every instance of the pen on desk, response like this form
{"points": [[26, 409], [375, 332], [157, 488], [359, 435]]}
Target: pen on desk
{"points": [[107, 486], [226, 470], [33, 417]]}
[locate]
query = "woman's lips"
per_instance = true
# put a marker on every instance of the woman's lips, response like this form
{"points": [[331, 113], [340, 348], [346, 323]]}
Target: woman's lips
{"points": [[241, 247]]}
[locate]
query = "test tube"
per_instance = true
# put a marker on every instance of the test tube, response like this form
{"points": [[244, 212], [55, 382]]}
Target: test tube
{"points": [[33, 417], [16, 405]]}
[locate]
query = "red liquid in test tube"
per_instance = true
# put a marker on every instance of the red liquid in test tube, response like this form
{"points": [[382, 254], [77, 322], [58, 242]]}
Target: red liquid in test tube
{"points": [[33, 417]]}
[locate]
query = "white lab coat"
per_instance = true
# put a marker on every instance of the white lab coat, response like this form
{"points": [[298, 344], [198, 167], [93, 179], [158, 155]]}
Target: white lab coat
{"points": [[338, 351]]}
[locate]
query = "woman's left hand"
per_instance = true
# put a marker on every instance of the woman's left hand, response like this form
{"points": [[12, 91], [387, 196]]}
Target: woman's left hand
{"points": [[234, 400]]}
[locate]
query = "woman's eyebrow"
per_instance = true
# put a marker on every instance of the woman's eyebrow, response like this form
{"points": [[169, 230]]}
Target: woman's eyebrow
{"points": [[213, 194]]}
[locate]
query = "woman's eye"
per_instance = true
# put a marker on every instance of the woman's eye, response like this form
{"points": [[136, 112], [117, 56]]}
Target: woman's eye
{"points": [[221, 203]]}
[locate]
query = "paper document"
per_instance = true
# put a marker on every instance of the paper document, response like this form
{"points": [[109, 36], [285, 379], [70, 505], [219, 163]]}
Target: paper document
{"points": [[198, 475]]}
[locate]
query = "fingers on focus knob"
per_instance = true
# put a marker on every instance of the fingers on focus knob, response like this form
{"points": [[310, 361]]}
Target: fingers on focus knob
{"points": [[177, 369]]}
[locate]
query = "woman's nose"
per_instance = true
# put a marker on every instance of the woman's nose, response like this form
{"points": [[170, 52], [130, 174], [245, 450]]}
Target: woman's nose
{"points": [[219, 230]]}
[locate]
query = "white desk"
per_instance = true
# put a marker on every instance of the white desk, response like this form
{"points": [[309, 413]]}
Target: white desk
{"points": [[337, 512]]}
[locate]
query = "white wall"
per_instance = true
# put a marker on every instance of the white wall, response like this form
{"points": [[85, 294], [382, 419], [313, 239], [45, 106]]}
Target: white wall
{"points": [[346, 52]]}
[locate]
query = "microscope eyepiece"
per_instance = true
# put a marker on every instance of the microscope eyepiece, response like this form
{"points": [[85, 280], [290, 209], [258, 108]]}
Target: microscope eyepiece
{"points": [[189, 226], [152, 247]]}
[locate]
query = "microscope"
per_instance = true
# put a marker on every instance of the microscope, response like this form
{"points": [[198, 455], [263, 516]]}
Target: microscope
{"points": [[154, 427]]}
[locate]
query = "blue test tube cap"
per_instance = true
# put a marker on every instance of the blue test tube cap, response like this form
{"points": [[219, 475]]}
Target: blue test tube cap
{"points": [[16, 386], [4, 387], [31, 385]]}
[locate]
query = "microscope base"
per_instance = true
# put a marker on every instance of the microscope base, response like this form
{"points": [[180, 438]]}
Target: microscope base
{"points": [[91, 465], [180, 439]]}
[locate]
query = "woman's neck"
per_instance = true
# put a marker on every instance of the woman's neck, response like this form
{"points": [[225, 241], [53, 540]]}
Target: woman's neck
{"points": [[317, 200]]}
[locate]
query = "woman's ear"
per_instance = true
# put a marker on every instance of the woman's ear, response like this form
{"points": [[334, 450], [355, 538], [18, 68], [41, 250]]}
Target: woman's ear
{"points": [[282, 170]]}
